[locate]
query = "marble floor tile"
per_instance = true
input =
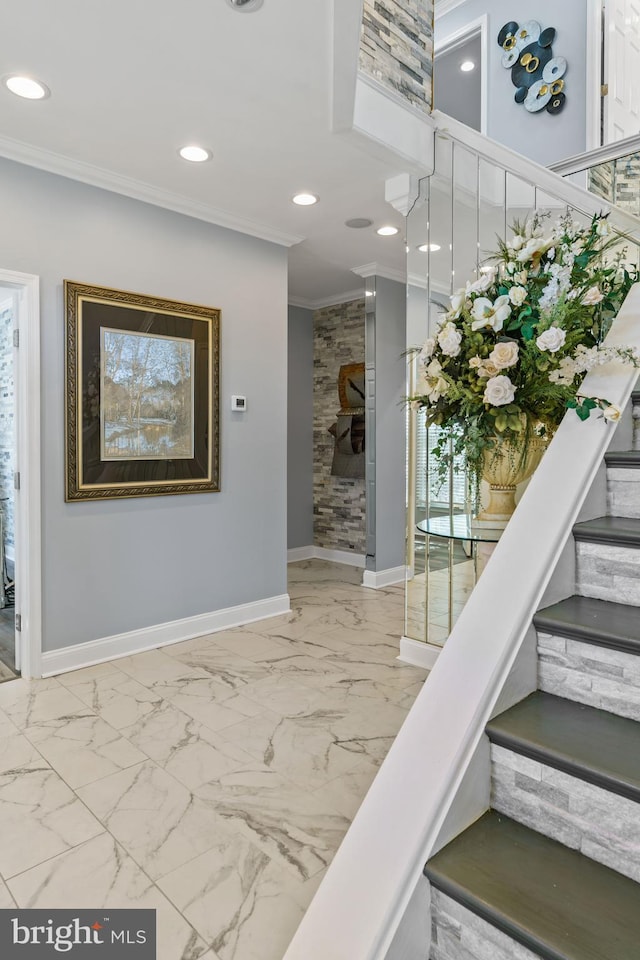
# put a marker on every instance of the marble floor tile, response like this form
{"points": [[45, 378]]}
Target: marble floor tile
{"points": [[26, 702], [156, 819], [269, 645], [82, 749], [192, 753], [39, 817], [7, 728], [295, 829], [238, 900], [86, 674], [346, 792], [156, 670], [100, 872], [116, 698], [231, 671], [6, 900], [16, 751], [212, 703]]}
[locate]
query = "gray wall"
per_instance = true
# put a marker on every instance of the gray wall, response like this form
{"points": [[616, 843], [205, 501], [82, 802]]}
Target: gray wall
{"points": [[390, 413], [540, 136], [115, 566], [300, 429]]}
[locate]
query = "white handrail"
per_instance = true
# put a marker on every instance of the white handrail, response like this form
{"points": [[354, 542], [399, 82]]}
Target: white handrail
{"points": [[593, 158], [365, 892]]}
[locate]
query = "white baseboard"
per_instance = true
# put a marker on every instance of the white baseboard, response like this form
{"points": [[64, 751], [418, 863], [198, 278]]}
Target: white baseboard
{"points": [[417, 653], [300, 553], [383, 578], [160, 635], [322, 553]]}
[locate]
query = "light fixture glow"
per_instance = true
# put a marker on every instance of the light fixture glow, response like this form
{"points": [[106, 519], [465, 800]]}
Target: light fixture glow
{"points": [[467, 66], [194, 154], [387, 231], [305, 199], [431, 247], [27, 87]]}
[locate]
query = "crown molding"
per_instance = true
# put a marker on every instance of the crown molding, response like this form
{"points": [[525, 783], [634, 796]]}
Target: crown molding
{"points": [[330, 301], [442, 7], [137, 190], [378, 270]]}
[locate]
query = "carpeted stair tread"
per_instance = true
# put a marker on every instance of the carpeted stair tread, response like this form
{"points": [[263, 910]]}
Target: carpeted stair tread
{"points": [[601, 622], [615, 531], [594, 745], [623, 458], [556, 902]]}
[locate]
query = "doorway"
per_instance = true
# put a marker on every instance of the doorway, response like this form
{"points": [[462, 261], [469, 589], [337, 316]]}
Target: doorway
{"points": [[460, 74], [20, 522]]}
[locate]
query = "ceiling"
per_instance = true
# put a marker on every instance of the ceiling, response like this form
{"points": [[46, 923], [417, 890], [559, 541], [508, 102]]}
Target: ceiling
{"points": [[128, 89]]}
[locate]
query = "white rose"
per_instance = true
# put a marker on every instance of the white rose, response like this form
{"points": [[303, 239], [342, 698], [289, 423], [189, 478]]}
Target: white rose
{"points": [[612, 413], [517, 242], [487, 314], [450, 339], [487, 369], [603, 229], [499, 391], [504, 354], [475, 362], [592, 296], [427, 351], [434, 369], [551, 340], [517, 296], [457, 300]]}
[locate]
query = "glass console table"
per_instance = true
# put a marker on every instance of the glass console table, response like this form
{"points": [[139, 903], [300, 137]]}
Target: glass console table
{"points": [[445, 592]]}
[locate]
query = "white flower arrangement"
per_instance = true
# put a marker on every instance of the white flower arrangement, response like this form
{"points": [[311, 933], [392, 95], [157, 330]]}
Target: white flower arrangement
{"points": [[512, 349]]}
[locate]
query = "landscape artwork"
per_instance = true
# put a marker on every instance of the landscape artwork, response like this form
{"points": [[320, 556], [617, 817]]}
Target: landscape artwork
{"points": [[142, 395], [146, 396]]}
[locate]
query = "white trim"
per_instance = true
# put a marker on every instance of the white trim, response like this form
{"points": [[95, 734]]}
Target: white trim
{"points": [[128, 187], [295, 554], [28, 544], [594, 74], [391, 129], [160, 635], [417, 653], [330, 301], [376, 579], [379, 270], [340, 556], [443, 7], [457, 38]]}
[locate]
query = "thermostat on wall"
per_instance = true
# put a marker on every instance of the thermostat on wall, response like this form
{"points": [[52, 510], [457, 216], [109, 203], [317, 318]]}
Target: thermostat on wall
{"points": [[238, 403]]}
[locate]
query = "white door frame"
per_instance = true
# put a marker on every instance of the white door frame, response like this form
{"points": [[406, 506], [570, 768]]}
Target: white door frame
{"points": [[456, 39], [594, 74], [28, 558]]}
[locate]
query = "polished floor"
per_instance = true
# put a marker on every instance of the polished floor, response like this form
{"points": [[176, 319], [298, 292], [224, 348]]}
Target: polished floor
{"points": [[212, 780]]}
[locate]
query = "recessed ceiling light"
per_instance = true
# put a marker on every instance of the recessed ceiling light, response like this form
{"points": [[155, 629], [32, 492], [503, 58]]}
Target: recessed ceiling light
{"points": [[305, 199], [246, 6], [467, 66], [27, 87], [431, 247], [387, 231], [358, 223], [194, 154]]}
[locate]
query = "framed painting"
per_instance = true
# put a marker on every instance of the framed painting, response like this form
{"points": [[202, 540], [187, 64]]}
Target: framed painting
{"points": [[141, 395]]}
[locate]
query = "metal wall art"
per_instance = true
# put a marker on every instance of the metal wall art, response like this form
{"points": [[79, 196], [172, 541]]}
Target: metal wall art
{"points": [[537, 75]]}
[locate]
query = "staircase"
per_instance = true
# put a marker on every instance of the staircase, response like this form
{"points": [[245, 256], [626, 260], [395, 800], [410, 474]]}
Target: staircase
{"points": [[553, 869]]}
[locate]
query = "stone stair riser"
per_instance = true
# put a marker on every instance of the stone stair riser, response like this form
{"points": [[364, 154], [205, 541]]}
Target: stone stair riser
{"points": [[623, 492], [590, 674], [600, 824], [636, 426], [459, 934], [608, 572]]}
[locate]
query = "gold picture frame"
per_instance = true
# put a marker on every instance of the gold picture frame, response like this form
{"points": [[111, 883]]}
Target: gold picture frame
{"points": [[142, 395]]}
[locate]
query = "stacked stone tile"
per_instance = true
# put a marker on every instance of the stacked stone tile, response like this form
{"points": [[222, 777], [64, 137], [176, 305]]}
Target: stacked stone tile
{"points": [[396, 48], [339, 504]]}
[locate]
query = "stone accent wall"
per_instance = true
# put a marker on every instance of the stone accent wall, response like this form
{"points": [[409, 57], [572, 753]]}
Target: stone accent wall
{"points": [[396, 48], [7, 426], [591, 674], [608, 572], [459, 934], [601, 825], [623, 492], [338, 504], [618, 181]]}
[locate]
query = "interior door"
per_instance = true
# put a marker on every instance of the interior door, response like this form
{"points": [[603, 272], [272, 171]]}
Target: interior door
{"points": [[621, 69]]}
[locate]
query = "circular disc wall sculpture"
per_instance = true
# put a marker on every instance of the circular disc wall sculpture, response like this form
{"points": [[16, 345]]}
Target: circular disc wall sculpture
{"points": [[536, 74]]}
